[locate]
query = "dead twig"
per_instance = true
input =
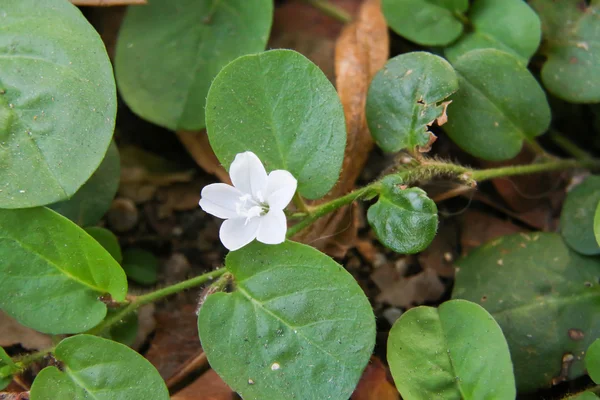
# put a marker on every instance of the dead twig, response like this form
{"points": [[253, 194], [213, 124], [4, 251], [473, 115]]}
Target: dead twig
{"points": [[108, 3]]}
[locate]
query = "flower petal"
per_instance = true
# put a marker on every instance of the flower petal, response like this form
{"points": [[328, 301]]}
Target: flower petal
{"points": [[248, 174], [220, 199], [281, 186], [236, 233], [273, 227]]}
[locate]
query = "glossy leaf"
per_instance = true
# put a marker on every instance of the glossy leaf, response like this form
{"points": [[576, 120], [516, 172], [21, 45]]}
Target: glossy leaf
{"points": [[108, 240], [507, 25], [94, 198], [280, 106], [548, 314], [141, 266], [426, 22], [498, 106], [97, 368], [592, 361], [186, 44], [57, 102], [456, 351], [571, 34], [404, 99], [405, 220], [577, 216], [53, 273], [297, 325]]}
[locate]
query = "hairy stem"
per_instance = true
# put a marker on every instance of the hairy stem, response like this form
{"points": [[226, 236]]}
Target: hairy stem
{"points": [[329, 9]]}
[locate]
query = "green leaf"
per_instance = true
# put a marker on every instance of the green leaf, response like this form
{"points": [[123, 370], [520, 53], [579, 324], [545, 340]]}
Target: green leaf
{"points": [[125, 331], [592, 361], [297, 325], [404, 99], [545, 298], [571, 43], [456, 351], [108, 240], [97, 368], [507, 25], [57, 102], [140, 266], [498, 106], [52, 273], [426, 22], [597, 224], [577, 216], [93, 199], [7, 368], [186, 44], [280, 106], [405, 220]]}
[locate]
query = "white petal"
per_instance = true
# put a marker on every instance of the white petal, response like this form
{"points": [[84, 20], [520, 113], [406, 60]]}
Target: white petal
{"points": [[281, 186], [273, 227], [248, 174], [236, 233], [219, 200]]}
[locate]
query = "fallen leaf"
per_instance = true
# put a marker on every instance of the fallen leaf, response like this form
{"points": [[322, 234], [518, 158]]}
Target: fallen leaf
{"points": [[196, 143], [209, 386], [442, 252], [407, 292], [361, 50], [480, 228], [375, 384], [12, 333]]}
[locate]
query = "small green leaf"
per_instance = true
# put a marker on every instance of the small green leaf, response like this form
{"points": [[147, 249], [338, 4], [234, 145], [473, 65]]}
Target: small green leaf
{"points": [[426, 22], [498, 106], [52, 273], [545, 298], [297, 325], [7, 367], [280, 106], [57, 102], [571, 42], [140, 266], [577, 217], [405, 220], [597, 224], [5, 359], [108, 240], [186, 44], [592, 361], [97, 368], [456, 351], [404, 99], [94, 198], [507, 25]]}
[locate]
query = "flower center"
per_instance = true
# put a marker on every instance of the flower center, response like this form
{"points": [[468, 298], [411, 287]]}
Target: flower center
{"points": [[250, 207]]}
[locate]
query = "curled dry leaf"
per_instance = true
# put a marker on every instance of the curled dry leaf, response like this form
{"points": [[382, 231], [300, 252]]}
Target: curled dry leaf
{"points": [[196, 143], [361, 50], [375, 384]]}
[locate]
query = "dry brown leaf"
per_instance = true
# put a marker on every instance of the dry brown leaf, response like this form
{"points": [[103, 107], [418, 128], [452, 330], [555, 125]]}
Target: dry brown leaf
{"points": [[480, 228], [374, 383], [361, 50], [407, 292], [196, 143], [12, 332], [209, 386]]}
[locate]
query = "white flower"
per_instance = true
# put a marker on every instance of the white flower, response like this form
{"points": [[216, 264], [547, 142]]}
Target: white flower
{"points": [[253, 206]]}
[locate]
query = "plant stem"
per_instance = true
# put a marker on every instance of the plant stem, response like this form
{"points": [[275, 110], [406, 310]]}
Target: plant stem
{"points": [[300, 204], [568, 146], [154, 296], [329, 9], [485, 174]]}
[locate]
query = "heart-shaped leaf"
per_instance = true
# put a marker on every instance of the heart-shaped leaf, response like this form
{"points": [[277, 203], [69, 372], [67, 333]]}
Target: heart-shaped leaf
{"points": [[426, 22], [280, 106], [108, 240], [297, 325], [404, 99], [592, 361], [57, 102], [498, 106], [186, 44], [456, 351], [577, 217], [571, 42], [549, 315], [94, 198], [405, 220], [53, 274], [97, 368], [507, 25]]}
